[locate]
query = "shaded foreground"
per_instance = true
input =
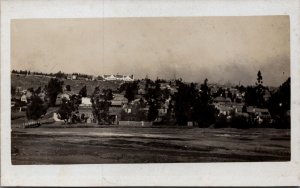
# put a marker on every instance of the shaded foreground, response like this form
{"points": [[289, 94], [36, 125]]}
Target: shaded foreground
{"points": [[147, 145]]}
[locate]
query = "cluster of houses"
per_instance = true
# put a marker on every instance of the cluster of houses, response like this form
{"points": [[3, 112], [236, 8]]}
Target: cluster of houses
{"points": [[229, 106], [76, 76], [22, 97], [111, 77], [121, 111]]}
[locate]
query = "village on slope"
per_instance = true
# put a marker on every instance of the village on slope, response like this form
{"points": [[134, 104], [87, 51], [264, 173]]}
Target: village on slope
{"points": [[79, 99]]}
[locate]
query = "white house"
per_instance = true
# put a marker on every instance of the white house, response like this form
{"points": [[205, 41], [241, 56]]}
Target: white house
{"points": [[118, 77], [86, 101], [24, 98], [109, 77], [128, 78]]}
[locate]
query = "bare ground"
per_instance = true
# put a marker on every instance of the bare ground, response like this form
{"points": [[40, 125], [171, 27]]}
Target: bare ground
{"points": [[147, 145]]}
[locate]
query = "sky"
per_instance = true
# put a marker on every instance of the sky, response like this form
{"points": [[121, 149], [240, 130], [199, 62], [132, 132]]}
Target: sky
{"points": [[222, 49]]}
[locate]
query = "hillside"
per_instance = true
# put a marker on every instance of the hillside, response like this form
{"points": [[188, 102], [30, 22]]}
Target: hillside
{"points": [[26, 82]]}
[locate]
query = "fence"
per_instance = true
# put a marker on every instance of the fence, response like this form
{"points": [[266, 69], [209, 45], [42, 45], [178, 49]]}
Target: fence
{"points": [[136, 123], [31, 124]]}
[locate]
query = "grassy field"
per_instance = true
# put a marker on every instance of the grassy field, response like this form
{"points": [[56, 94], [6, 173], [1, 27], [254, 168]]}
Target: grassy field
{"points": [[33, 81], [147, 145]]}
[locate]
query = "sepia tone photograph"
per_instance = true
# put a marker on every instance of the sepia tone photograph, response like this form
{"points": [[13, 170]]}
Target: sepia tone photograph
{"points": [[150, 90]]}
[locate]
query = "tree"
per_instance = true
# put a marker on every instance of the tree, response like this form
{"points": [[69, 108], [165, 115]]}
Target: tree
{"points": [[260, 91], [83, 92], [100, 105], [60, 75], [203, 112], [68, 87], [255, 95], [66, 109], [36, 108], [154, 99], [280, 103], [38, 90], [183, 103], [107, 94], [53, 88], [13, 90], [259, 78]]}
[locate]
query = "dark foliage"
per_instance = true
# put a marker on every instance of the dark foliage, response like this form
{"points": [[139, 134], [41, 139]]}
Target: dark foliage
{"points": [[36, 108], [101, 104], [83, 92], [68, 87], [54, 87]]}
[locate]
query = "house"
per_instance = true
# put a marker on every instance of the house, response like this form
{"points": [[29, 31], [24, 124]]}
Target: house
{"points": [[119, 100], [85, 110], [224, 110], [222, 100], [136, 110], [24, 98], [109, 77], [262, 115], [128, 78], [60, 98], [86, 114], [115, 114], [119, 77], [86, 102], [162, 112], [69, 77], [164, 86]]}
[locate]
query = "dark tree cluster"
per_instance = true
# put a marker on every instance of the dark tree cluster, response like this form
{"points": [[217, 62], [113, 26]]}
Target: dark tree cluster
{"points": [[280, 104], [191, 105], [255, 94], [83, 92], [69, 109], [53, 88], [130, 88], [36, 108], [100, 104]]}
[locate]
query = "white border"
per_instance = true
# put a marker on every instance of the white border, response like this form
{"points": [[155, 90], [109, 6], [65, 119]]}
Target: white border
{"points": [[212, 174]]}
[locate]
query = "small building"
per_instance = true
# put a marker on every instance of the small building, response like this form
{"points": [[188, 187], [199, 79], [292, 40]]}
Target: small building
{"points": [[115, 114], [85, 110], [24, 98], [86, 102], [109, 77], [119, 100], [162, 112], [60, 98], [69, 77], [224, 110], [128, 78]]}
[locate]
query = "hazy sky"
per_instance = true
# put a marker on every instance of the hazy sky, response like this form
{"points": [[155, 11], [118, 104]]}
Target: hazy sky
{"points": [[221, 49]]}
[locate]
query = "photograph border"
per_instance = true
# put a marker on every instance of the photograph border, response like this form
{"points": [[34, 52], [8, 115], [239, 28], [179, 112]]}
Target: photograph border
{"points": [[179, 174]]}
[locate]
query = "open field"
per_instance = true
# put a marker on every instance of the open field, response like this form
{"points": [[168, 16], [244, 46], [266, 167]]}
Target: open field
{"points": [[147, 145], [36, 81]]}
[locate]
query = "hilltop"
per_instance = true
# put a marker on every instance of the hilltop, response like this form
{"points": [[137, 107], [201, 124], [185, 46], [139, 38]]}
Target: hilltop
{"points": [[35, 81]]}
